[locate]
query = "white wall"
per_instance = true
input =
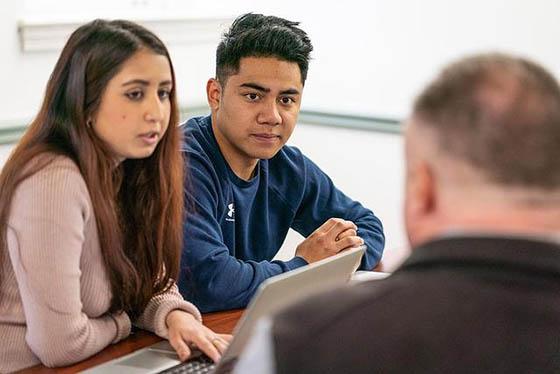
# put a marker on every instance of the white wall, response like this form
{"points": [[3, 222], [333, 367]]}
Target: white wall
{"points": [[367, 166], [4, 152], [24, 74], [20, 94], [371, 56], [374, 56]]}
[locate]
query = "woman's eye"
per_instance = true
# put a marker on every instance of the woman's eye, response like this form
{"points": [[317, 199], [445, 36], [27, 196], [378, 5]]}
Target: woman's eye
{"points": [[135, 95]]}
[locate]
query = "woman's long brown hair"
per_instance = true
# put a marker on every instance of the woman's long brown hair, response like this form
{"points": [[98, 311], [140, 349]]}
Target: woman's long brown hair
{"points": [[139, 204]]}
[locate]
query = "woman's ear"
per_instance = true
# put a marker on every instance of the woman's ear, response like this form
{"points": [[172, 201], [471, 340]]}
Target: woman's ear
{"points": [[213, 94]]}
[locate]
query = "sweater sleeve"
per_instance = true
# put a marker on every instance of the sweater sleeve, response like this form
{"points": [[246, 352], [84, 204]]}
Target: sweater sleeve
{"points": [[211, 276], [322, 200], [153, 317], [45, 239]]}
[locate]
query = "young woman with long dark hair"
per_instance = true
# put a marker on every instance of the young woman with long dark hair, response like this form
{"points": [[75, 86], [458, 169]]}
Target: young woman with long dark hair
{"points": [[91, 207]]}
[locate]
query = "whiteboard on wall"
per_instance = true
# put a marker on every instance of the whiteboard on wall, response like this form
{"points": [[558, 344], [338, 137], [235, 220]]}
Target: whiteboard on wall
{"points": [[371, 57]]}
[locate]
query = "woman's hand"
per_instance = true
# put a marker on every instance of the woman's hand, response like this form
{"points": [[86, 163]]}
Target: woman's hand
{"points": [[185, 332]]}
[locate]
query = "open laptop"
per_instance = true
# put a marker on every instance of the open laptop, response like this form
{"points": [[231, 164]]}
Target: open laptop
{"points": [[365, 275], [273, 294]]}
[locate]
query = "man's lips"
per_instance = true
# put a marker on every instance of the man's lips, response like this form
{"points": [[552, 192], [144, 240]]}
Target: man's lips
{"points": [[266, 136]]}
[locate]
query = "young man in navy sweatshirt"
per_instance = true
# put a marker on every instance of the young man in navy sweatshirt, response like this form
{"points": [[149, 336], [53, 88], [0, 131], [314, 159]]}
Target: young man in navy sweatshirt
{"points": [[245, 187]]}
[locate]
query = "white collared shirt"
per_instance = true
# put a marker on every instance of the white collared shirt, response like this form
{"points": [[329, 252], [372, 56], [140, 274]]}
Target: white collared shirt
{"points": [[258, 355]]}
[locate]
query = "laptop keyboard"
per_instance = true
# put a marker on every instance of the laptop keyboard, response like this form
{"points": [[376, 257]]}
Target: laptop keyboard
{"points": [[202, 364]]}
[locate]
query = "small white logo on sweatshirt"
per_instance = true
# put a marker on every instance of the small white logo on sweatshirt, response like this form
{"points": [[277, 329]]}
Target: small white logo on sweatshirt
{"points": [[231, 213]]}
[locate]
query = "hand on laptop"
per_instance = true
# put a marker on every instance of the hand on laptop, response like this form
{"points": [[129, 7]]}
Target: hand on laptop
{"points": [[331, 237], [186, 332]]}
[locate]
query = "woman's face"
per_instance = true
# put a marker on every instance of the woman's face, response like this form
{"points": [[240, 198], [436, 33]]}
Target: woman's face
{"points": [[135, 107]]}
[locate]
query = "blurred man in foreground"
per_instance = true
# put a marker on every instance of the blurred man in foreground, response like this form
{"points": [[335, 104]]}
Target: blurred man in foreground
{"points": [[481, 291]]}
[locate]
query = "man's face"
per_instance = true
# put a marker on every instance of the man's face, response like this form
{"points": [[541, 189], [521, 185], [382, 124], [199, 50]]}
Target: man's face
{"points": [[255, 113]]}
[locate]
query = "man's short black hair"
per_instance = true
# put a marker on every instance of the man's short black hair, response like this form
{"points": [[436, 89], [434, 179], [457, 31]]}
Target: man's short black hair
{"points": [[256, 35]]}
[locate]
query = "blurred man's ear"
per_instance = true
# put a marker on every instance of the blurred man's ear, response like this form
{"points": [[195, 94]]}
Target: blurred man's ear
{"points": [[420, 202], [421, 190], [426, 189], [213, 94]]}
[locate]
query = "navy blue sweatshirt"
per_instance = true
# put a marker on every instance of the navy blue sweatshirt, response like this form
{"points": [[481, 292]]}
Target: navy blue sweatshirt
{"points": [[235, 227]]}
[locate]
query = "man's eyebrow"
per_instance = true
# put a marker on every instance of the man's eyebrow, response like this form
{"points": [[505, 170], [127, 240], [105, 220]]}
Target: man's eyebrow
{"points": [[255, 86], [291, 91], [258, 87]]}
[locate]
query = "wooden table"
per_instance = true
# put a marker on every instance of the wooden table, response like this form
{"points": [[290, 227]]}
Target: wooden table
{"points": [[221, 322]]}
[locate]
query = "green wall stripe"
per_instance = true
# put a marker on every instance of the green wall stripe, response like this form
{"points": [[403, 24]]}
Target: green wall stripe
{"points": [[10, 133]]}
